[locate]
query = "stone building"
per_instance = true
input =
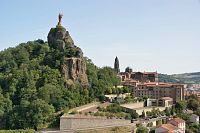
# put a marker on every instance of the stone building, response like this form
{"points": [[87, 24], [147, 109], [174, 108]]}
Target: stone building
{"points": [[145, 76], [165, 102], [162, 102], [178, 122], [167, 128], [139, 76], [175, 125], [158, 90]]}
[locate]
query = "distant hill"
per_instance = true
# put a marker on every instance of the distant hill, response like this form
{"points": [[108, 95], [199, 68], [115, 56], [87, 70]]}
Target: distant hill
{"points": [[167, 78], [187, 78]]}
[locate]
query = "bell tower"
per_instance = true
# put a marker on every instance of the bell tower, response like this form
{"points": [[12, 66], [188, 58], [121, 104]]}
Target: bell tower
{"points": [[116, 65]]}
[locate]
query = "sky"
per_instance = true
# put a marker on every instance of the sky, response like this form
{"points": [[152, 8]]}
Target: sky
{"points": [[146, 35]]}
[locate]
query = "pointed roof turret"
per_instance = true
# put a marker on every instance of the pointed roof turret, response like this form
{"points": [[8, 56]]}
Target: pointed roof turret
{"points": [[116, 65]]}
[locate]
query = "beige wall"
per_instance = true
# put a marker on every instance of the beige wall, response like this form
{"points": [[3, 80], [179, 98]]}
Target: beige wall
{"points": [[84, 123], [145, 109], [133, 105]]}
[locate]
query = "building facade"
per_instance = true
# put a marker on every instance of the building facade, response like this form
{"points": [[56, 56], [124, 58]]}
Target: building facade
{"points": [[180, 123], [139, 76], [147, 84], [168, 128], [175, 125], [157, 90]]}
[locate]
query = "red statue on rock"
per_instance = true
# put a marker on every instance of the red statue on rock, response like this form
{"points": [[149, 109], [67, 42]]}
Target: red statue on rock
{"points": [[59, 18]]}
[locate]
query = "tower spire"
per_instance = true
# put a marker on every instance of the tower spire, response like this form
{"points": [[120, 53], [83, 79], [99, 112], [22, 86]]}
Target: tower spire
{"points": [[116, 65]]}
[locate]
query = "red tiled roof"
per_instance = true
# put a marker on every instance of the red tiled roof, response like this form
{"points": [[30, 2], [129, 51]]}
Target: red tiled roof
{"points": [[169, 127], [177, 120]]}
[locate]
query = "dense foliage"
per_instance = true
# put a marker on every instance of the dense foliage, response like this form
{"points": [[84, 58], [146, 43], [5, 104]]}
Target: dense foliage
{"points": [[32, 89], [189, 78], [17, 131], [141, 129], [115, 110], [184, 110]]}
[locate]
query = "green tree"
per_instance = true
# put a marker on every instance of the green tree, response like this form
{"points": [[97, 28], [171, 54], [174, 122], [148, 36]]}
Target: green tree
{"points": [[167, 111], [197, 112], [150, 124], [141, 129], [159, 122], [180, 106], [193, 104], [184, 116], [102, 98], [32, 86], [41, 113], [143, 114], [114, 108], [126, 90], [5, 105], [134, 115], [172, 111], [164, 121], [129, 99]]}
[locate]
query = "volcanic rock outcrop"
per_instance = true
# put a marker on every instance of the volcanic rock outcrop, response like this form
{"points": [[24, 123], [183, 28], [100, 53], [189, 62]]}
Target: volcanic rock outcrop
{"points": [[73, 67]]}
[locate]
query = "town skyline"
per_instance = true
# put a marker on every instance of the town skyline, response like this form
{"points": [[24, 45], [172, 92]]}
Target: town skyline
{"points": [[147, 36]]}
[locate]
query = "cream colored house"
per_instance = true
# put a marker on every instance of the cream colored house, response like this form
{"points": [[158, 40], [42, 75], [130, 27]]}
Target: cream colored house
{"points": [[180, 123]]}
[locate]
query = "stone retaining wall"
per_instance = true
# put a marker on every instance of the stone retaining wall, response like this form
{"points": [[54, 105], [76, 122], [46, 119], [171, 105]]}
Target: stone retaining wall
{"points": [[85, 123]]}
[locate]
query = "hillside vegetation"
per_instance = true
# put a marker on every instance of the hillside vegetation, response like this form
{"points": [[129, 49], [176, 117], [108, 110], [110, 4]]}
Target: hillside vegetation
{"points": [[32, 89], [167, 78], [186, 78]]}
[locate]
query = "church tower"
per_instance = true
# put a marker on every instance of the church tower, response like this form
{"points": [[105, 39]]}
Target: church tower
{"points": [[116, 65]]}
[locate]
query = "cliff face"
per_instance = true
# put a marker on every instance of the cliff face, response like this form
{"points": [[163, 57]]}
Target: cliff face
{"points": [[74, 66]]}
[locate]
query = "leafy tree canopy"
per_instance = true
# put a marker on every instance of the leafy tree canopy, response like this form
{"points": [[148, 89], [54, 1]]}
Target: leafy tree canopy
{"points": [[32, 88]]}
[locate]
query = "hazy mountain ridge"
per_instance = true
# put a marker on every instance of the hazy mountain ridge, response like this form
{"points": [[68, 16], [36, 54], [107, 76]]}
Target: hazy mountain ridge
{"points": [[188, 78], [193, 77]]}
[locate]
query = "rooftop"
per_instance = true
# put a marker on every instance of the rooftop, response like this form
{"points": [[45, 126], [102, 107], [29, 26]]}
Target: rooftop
{"points": [[167, 98], [138, 72], [159, 84], [194, 115], [177, 120], [169, 127]]}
